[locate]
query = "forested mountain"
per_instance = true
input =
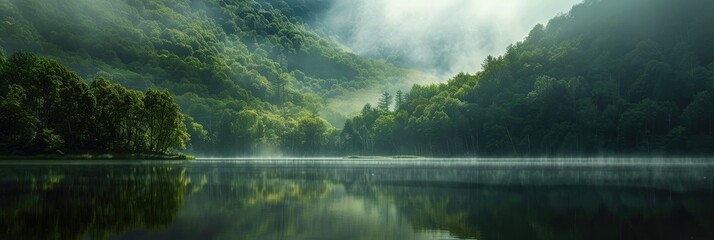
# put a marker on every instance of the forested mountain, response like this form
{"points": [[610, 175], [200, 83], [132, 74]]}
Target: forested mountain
{"points": [[609, 77], [248, 75], [252, 77]]}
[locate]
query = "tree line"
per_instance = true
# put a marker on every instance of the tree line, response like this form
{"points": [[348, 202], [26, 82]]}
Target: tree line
{"points": [[609, 77], [253, 80], [251, 74], [47, 108]]}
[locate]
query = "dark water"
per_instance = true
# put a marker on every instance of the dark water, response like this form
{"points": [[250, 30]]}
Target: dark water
{"points": [[361, 199]]}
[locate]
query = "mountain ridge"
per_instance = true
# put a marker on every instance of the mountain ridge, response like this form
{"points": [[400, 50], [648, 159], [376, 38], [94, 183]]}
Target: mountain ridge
{"points": [[222, 59]]}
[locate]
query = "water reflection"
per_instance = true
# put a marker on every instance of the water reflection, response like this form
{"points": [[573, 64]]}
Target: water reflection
{"points": [[60, 202], [248, 200]]}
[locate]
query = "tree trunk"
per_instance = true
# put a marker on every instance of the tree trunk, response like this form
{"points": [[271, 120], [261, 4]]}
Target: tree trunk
{"points": [[511, 140]]}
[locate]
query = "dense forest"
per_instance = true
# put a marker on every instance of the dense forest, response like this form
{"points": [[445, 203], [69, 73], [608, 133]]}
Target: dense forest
{"points": [[259, 77], [609, 77], [48, 109], [250, 77]]}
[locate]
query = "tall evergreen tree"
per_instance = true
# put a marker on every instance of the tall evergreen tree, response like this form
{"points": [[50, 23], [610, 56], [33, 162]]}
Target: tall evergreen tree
{"points": [[399, 100], [385, 102]]}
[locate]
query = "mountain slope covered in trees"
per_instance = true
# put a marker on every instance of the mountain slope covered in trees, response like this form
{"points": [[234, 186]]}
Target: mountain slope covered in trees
{"points": [[610, 76], [248, 75], [634, 77]]}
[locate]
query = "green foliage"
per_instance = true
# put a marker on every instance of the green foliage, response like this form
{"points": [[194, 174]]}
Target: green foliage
{"points": [[3, 60], [19, 126], [166, 129], [251, 76], [399, 100], [593, 81], [311, 134], [49, 142], [385, 102], [213, 55], [49, 109], [200, 138]]}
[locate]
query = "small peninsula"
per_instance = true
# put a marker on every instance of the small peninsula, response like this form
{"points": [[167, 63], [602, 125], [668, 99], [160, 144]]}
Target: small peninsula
{"points": [[49, 112]]}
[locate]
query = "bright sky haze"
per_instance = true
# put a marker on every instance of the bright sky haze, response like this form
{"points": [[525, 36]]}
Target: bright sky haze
{"points": [[442, 37]]}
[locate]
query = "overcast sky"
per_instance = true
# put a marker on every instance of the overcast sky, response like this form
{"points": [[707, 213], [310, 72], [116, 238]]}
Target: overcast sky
{"points": [[443, 37]]}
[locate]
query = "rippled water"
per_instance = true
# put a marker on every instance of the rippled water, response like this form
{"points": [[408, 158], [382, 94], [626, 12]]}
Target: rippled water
{"points": [[359, 199]]}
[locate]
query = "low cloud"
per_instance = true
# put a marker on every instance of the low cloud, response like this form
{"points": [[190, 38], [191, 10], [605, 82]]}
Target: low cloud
{"points": [[440, 37]]}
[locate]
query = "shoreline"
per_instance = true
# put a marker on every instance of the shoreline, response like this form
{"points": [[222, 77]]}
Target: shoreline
{"points": [[89, 156]]}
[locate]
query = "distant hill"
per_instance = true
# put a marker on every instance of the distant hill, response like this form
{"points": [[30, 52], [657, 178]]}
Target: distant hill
{"points": [[609, 77], [249, 74]]}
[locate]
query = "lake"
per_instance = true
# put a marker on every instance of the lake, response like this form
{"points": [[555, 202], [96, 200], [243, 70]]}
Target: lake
{"points": [[358, 199]]}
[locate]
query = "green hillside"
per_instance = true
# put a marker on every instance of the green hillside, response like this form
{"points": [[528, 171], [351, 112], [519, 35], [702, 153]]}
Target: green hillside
{"points": [[251, 77], [610, 76], [248, 75]]}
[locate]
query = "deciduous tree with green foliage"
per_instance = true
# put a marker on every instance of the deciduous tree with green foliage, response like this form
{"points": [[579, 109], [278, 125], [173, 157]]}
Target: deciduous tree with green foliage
{"points": [[49, 109]]}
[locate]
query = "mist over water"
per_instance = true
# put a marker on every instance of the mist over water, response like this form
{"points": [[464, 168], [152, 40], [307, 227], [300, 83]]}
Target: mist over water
{"points": [[328, 198], [439, 37]]}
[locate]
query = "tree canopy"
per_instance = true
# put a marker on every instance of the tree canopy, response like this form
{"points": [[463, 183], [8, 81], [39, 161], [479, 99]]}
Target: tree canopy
{"points": [[601, 79], [49, 109], [620, 77], [218, 58]]}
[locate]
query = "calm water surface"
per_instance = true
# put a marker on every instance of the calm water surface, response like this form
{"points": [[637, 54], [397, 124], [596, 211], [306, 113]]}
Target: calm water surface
{"points": [[358, 199]]}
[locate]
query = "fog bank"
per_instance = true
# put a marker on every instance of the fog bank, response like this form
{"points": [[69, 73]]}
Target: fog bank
{"points": [[440, 37]]}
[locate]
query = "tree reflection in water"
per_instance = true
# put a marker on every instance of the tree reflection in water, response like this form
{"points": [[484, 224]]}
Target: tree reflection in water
{"points": [[347, 202], [71, 202], [263, 201]]}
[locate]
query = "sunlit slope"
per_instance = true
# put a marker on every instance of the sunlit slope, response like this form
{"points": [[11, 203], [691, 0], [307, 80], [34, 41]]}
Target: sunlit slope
{"points": [[610, 76], [210, 47], [227, 62]]}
